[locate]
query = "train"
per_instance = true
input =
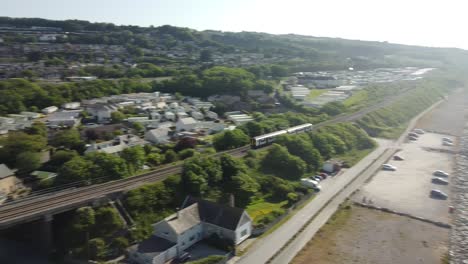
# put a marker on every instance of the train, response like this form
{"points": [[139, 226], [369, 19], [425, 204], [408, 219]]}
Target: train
{"points": [[267, 139]]}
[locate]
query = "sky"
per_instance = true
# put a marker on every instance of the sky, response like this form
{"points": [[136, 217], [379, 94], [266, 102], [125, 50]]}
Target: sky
{"points": [[433, 23]]}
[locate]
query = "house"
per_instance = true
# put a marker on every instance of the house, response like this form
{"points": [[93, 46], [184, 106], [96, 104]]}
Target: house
{"points": [[158, 135], [102, 112], [59, 119], [31, 115], [198, 219], [49, 110], [211, 115], [71, 106], [186, 124], [169, 116], [117, 145], [8, 181], [197, 115]]}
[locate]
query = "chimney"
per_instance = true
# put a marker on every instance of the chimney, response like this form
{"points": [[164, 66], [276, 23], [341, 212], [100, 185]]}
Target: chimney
{"points": [[231, 200]]}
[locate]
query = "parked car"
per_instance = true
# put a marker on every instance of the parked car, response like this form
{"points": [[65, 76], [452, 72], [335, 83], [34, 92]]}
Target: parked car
{"points": [[440, 173], [311, 184], [446, 139], [446, 143], [184, 257], [438, 180], [419, 131], [396, 157], [412, 134], [389, 167], [412, 138], [324, 175], [438, 194], [316, 178]]}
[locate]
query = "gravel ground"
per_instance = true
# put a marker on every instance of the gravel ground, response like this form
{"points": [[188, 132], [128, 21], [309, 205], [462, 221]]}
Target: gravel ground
{"points": [[407, 189], [449, 117], [459, 233], [369, 236]]}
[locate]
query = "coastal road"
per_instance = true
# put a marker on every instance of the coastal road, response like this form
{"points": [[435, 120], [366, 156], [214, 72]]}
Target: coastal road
{"points": [[282, 245]]}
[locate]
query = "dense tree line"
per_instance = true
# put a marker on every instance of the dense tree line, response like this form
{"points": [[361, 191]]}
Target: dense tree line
{"points": [[18, 95], [215, 80]]}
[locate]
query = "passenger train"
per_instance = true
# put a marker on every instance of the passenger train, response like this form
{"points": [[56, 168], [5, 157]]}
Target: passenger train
{"points": [[267, 139]]}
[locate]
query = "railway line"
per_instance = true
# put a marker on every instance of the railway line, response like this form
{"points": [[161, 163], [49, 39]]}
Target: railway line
{"points": [[33, 208]]}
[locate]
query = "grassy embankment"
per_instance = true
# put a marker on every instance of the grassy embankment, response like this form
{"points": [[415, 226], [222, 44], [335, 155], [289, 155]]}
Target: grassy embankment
{"points": [[391, 121]]}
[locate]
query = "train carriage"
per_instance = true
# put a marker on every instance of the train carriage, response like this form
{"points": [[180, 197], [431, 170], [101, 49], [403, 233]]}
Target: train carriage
{"points": [[267, 139]]}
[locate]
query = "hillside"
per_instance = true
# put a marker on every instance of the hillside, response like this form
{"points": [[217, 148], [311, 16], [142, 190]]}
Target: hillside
{"points": [[180, 47]]}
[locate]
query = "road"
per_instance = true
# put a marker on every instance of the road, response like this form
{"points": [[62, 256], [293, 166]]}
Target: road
{"points": [[271, 248]]}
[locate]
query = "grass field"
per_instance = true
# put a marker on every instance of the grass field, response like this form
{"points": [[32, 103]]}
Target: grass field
{"points": [[357, 100], [260, 207], [354, 156], [315, 93]]}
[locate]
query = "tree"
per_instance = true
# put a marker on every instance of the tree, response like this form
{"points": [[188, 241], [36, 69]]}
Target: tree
{"points": [[205, 55], [281, 163], [230, 139], [186, 153], [231, 167], [108, 221], [333, 108], [37, 128], [97, 248], [117, 117], [170, 156], [74, 170], [278, 71], [254, 129], [84, 219], [155, 159], [135, 158], [107, 166], [121, 244], [59, 158], [138, 127], [243, 187], [303, 148], [18, 142], [27, 161], [69, 138]]}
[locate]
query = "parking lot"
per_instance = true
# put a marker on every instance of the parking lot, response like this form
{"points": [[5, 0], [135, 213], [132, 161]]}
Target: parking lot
{"points": [[408, 188]]}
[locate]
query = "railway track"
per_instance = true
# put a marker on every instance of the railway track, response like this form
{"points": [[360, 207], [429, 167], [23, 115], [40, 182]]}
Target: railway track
{"points": [[32, 207]]}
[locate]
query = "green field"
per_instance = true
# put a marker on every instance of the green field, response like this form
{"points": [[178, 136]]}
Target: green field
{"points": [[260, 208], [315, 93]]}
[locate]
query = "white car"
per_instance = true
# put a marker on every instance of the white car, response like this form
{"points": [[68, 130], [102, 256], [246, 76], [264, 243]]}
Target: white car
{"points": [[446, 143], [446, 139], [419, 131], [389, 167], [440, 173]]}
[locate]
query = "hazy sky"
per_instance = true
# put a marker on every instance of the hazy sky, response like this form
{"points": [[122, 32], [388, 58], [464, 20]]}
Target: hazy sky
{"points": [[420, 22]]}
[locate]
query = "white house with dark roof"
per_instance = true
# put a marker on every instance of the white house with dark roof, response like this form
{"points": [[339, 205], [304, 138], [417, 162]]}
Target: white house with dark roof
{"points": [[198, 219]]}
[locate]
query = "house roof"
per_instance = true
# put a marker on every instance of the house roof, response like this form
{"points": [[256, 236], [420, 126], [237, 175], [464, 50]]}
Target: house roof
{"points": [[152, 246], [185, 219], [5, 171], [187, 121], [216, 214], [159, 132]]}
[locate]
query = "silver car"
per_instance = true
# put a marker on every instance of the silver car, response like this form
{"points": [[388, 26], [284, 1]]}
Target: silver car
{"points": [[440, 173]]}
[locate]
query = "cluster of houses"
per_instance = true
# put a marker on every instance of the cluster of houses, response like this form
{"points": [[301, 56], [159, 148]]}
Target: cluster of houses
{"points": [[341, 84], [162, 116]]}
